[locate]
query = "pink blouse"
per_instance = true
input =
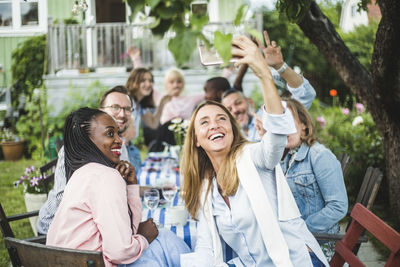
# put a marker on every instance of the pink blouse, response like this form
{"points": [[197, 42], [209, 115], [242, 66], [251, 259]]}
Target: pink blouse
{"points": [[180, 107], [93, 215]]}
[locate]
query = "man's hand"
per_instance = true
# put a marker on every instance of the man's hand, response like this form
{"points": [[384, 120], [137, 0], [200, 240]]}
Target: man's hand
{"points": [[272, 53], [148, 229]]}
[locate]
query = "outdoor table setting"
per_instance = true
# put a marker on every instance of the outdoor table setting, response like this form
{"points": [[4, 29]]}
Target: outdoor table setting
{"points": [[160, 182]]}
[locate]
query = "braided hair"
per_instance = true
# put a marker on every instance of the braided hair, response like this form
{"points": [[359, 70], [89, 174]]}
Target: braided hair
{"points": [[79, 148]]}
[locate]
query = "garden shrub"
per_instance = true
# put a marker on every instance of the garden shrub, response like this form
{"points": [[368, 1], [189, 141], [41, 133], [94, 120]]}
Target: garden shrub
{"points": [[351, 131]]}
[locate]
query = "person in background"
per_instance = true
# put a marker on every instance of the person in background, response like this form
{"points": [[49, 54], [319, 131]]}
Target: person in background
{"points": [[101, 208], [116, 102], [236, 189], [315, 177], [180, 106], [215, 87], [297, 85], [140, 87]]}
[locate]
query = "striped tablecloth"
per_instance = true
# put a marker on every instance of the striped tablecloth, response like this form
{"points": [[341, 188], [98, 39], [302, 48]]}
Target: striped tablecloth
{"points": [[156, 170]]}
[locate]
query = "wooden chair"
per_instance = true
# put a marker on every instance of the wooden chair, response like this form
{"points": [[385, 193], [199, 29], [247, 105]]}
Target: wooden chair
{"points": [[6, 229], [345, 161], [38, 255], [366, 196], [363, 219]]}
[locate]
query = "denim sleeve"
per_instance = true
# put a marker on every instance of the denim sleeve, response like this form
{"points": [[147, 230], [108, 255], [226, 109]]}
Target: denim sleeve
{"points": [[329, 176], [305, 93], [134, 157], [268, 152]]}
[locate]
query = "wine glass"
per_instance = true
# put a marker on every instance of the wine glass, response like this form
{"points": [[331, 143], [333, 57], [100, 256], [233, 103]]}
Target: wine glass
{"points": [[169, 192], [151, 199]]}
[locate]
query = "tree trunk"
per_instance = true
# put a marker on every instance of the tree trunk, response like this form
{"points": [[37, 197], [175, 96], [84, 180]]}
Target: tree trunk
{"points": [[379, 91]]}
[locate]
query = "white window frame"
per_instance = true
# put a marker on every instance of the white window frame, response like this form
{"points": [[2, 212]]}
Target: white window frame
{"points": [[25, 30]]}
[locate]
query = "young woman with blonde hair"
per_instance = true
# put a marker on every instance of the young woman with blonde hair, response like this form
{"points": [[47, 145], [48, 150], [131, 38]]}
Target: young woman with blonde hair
{"points": [[236, 189]]}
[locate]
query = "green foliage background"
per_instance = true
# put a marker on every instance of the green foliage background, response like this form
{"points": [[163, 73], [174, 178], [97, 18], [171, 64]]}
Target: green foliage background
{"points": [[28, 65]]}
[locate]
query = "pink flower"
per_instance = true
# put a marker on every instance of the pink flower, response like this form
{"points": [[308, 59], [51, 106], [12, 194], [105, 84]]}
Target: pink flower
{"points": [[321, 121], [360, 108], [34, 181], [345, 111]]}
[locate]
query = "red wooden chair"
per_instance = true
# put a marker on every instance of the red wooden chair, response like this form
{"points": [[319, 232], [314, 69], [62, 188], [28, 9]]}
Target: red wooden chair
{"points": [[363, 219]]}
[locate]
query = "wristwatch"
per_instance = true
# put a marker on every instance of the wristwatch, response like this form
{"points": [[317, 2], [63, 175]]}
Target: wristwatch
{"points": [[283, 68]]}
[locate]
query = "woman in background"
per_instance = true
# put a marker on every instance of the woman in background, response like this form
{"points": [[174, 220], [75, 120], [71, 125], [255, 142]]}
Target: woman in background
{"points": [[315, 177]]}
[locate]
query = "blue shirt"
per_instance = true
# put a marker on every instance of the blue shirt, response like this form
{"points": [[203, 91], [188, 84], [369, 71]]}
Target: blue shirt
{"points": [[316, 180], [134, 156]]}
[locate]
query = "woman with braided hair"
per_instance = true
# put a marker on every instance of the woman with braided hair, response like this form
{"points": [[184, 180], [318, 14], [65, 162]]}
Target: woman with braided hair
{"points": [[101, 206]]}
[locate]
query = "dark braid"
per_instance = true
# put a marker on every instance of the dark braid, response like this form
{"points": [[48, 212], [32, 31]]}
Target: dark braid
{"points": [[79, 148]]}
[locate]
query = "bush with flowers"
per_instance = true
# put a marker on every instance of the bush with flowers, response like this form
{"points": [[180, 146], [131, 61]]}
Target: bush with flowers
{"points": [[32, 181], [350, 130]]}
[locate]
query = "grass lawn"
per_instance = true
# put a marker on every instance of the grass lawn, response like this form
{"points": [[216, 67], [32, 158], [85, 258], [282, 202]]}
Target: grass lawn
{"points": [[12, 201]]}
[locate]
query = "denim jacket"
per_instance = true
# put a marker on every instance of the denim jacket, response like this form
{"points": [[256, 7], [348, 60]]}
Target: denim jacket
{"points": [[316, 180]]}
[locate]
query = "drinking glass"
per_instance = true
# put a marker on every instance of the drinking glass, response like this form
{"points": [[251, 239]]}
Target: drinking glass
{"points": [[151, 198], [169, 192]]}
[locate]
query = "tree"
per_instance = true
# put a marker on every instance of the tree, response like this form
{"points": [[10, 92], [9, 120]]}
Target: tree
{"points": [[378, 89]]}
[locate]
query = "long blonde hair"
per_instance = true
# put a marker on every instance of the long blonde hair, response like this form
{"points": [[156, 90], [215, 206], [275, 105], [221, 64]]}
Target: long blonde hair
{"points": [[196, 166]]}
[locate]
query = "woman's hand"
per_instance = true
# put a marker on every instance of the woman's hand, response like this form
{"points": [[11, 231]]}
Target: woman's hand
{"points": [[248, 53], [148, 229], [127, 171]]}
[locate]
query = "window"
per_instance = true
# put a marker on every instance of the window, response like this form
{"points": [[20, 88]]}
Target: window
{"points": [[5, 13], [23, 17]]}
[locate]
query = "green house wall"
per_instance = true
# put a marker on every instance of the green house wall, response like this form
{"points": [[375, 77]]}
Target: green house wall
{"points": [[57, 10]]}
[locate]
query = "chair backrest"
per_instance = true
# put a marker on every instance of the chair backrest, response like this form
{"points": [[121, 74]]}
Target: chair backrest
{"points": [[369, 187], [49, 168], [38, 255], [345, 161], [4, 224], [363, 219]]}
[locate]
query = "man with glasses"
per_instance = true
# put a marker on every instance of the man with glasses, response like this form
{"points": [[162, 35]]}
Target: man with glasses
{"points": [[117, 103]]}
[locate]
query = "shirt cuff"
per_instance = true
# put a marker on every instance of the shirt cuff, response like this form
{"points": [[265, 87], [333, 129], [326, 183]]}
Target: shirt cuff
{"points": [[292, 89], [279, 123]]}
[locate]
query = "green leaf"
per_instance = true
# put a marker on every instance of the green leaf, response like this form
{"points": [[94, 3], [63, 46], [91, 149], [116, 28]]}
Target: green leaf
{"points": [[136, 6], [182, 46], [223, 45], [240, 13], [152, 3], [197, 22]]}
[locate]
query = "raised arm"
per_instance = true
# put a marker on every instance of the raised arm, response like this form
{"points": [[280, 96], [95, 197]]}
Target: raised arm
{"points": [[153, 120], [274, 58], [276, 120], [249, 54]]}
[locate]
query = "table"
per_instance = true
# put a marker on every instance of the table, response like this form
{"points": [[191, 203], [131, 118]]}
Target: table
{"points": [[156, 169]]}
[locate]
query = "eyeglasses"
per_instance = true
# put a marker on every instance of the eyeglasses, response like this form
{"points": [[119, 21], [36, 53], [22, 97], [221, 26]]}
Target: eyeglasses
{"points": [[117, 108]]}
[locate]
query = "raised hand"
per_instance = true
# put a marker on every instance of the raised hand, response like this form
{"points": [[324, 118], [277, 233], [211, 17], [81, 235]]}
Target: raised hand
{"points": [[247, 52], [127, 171], [272, 53]]}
